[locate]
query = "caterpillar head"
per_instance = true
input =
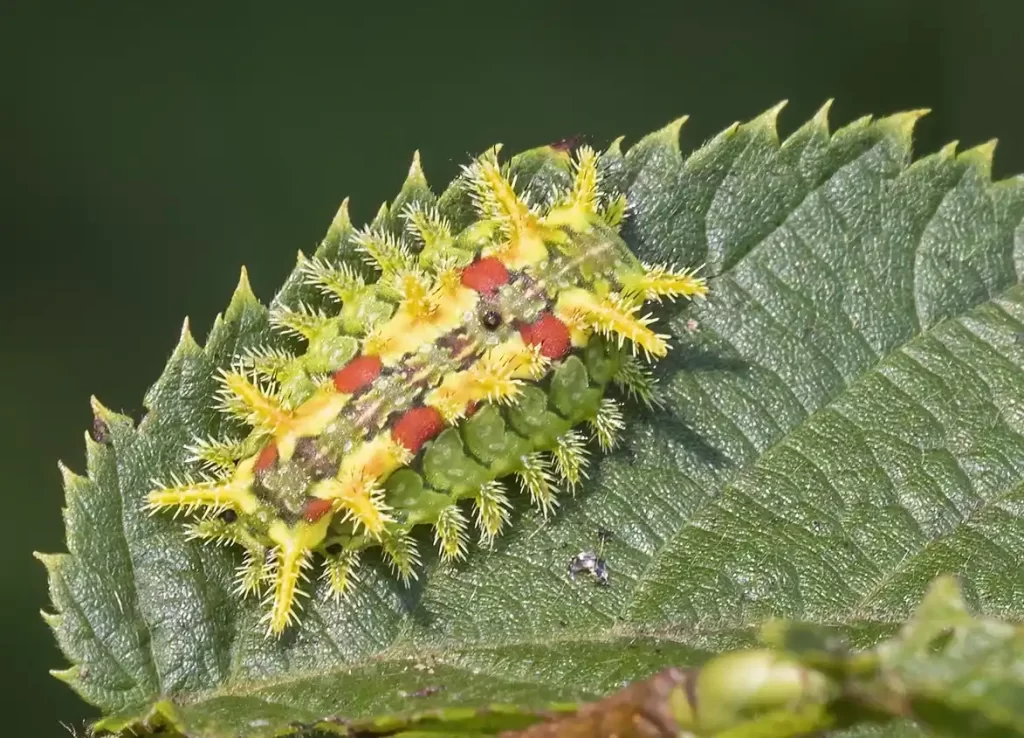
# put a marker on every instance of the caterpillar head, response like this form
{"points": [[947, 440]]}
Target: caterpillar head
{"points": [[472, 357]]}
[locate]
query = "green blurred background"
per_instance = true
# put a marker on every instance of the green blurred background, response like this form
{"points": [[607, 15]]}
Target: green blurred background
{"points": [[150, 152]]}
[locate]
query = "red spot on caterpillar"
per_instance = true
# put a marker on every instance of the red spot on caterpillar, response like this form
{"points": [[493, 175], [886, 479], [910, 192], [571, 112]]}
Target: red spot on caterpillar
{"points": [[485, 275], [472, 407], [267, 457], [417, 426], [548, 331], [357, 374], [315, 508]]}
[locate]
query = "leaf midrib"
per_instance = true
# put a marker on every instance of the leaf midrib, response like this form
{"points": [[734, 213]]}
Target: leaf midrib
{"points": [[438, 652]]}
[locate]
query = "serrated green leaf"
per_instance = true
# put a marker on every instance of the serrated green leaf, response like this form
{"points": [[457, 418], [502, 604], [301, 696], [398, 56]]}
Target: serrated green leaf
{"points": [[841, 422]]}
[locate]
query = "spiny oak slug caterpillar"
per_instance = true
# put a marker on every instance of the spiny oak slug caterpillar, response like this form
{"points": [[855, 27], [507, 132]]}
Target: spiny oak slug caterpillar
{"points": [[473, 357]]}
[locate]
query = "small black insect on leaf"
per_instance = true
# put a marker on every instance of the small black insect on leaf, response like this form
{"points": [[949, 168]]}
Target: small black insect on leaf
{"points": [[590, 563]]}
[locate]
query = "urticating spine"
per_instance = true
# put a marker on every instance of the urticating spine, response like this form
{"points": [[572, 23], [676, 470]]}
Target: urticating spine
{"points": [[474, 361]]}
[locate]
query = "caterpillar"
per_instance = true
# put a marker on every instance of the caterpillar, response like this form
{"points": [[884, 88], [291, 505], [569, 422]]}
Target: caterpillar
{"points": [[472, 359]]}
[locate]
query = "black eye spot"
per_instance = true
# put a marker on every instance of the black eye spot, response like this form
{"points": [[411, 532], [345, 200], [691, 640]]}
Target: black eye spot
{"points": [[229, 516], [491, 319]]}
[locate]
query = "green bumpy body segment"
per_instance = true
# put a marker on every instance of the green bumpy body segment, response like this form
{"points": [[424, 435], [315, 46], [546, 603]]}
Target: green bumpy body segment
{"points": [[492, 442]]}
